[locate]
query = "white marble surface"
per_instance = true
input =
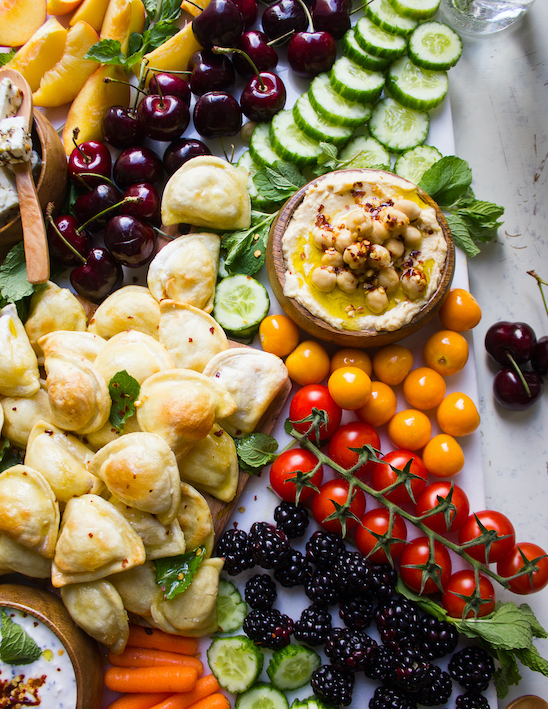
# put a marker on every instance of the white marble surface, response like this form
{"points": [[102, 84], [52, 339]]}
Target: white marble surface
{"points": [[499, 100]]}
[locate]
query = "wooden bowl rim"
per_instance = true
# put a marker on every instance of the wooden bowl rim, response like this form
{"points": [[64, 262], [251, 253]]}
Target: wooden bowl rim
{"points": [[275, 243]]}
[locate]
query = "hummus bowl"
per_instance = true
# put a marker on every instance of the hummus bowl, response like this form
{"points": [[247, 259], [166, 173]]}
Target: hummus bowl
{"points": [[360, 258]]}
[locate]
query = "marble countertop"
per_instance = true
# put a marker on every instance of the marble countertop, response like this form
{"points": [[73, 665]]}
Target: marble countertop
{"points": [[499, 100]]}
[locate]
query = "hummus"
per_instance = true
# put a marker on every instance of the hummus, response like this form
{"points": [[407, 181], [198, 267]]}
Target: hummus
{"points": [[363, 251]]}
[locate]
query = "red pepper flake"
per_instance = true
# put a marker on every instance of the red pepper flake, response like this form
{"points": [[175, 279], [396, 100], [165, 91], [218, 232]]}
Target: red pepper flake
{"points": [[190, 339], [218, 433], [90, 535], [212, 330]]}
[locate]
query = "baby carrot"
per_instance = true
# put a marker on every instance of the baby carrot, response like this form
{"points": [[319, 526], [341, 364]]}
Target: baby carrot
{"points": [[204, 687], [214, 701], [143, 657], [158, 640], [138, 701], [144, 680]]}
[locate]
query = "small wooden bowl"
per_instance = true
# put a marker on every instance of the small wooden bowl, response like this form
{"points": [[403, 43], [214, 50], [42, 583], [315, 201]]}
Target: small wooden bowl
{"points": [[319, 328], [52, 182], [82, 650]]}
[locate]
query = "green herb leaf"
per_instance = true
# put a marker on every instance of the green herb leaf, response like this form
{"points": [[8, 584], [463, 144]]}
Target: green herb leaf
{"points": [[507, 674], [9, 455], [461, 235], [107, 51], [123, 390], [536, 628], [170, 10], [508, 628], [481, 219], [174, 574], [17, 647], [134, 46], [278, 182], [242, 246], [530, 657], [14, 283], [328, 154], [447, 180], [423, 602], [150, 8], [5, 57], [255, 451]]}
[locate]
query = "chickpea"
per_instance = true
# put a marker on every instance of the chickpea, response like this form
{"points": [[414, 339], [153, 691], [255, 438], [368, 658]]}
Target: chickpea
{"points": [[377, 300], [413, 283], [323, 238], [355, 255], [347, 281], [395, 246], [324, 278], [343, 239], [394, 220], [388, 278], [408, 207], [359, 223], [379, 256], [428, 219], [379, 233], [412, 237], [333, 258]]}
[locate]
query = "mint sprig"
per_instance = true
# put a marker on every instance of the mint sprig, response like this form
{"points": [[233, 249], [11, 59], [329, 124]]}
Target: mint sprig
{"points": [[278, 182], [5, 57], [174, 574], [124, 391], [245, 249], [14, 283], [16, 646], [255, 451]]}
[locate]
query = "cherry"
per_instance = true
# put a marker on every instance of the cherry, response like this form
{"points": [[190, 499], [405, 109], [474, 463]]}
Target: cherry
{"points": [[221, 23], [149, 206], [178, 152], [69, 228], [511, 392], [255, 45], [282, 17], [99, 276], [539, 356], [249, 10], [263, 96], [121, 128], [210, 72], [217, 113], [332, 16], [505, 341], [89, 204], [137, 164], [311, 53], [89, 163], [129, 240], [163, 117], [170, 85]]}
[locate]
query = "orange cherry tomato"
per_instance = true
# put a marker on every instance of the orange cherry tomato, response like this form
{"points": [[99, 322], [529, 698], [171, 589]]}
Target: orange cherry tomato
{"points": [[380, 407], [350, 387], [457, 415], [392, 364], [460, 311], [443, 456], [278, 334], [308, 363], [410, 429], [446, 352], [424, 388], [352, 357]]}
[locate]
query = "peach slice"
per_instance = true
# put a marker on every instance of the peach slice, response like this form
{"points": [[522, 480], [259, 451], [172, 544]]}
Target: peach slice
{"points": [[121, 19], [91, 11], [192, 7], [20, 19], [174, 54], [93, 100], [43, 50], [62, 7], [64, 80]]}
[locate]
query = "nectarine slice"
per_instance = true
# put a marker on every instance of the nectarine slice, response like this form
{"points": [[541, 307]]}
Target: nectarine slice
{"points": [[117, 22], [172, 55], [192, 7], [92, 12], [62, 7], [19, 20]]}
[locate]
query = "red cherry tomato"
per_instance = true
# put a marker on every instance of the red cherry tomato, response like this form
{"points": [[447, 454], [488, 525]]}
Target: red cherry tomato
{"points": [[417, 553], [377, 521], [429, 499], [463, 583], [513, 563], [383, 476], [490, 520], [353, 435], [310, 397], [336, 491], [286, 466]]}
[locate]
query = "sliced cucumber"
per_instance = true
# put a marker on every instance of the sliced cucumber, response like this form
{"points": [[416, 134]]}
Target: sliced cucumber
{"points": [[414, 87], [260, 148], [364, 58], [353, 82], [414, 163], [317, 127], [290, 143], [335, 108], [396, 127], [231, 610], [236, 662], [383, 14], [373, 39], [292, 667], [434, 45], [365, 151], [240, 304], [310, 703], [262, 696], [252, 168], [416, 9]]}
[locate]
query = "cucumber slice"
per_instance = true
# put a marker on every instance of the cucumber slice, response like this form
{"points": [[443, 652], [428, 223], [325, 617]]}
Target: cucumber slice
{"points": [[236, 662], [240, 304], [396, 127], [252, 168], [376, 41], [262, 696], [335, 108], [231, 610], [365, 59], [260, 148], [414, 163], [311, 703], [290, 143], [353, 82], [365, 151], [414, 87], [383, 14], [416, 9], [292, 666], [434, 45], [317, 127]]}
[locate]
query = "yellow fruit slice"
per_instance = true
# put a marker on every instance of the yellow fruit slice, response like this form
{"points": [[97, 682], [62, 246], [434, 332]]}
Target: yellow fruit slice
{"points": [[62, 7], [91, 11], [174, 54], [19, 20]]}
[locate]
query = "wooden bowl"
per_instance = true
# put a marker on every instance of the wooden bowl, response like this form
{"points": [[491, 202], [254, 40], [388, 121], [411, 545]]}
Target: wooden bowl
{"points": [[52, 182], [82, 650], [319, 328]]}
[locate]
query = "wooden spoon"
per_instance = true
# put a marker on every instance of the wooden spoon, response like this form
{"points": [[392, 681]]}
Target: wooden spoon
{"points": [[528, 701], [34, 230]]}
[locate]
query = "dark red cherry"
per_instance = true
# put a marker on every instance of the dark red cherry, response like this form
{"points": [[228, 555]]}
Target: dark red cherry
{"points": [[90, 204], [220, 24], [182, 150], [217, 113], [539, 357], [90, 156], [255, 45], [121, 127], [282, 17], [60, 253], [170, 85], [511, 393], [248, 10], [98, 277], [148, 208], [516, 339], [263, 97], [163, 117], [210, 72], [137, 164], [130, 241], [332, 16], [311, 53]]}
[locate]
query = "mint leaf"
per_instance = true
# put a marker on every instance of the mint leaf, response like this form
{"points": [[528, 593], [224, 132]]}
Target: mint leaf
{"points": [[123, 390], [422, 602], [530, 657], [278, 182], [150, 8], [17, 647], [481, 219], [9, 455], [447, 180], [14, 284], [508, 628], [255, 451], [246, 248], [107, 51], [170, 10], [5, 57], [461, 235], [536, 628], [174, 574]]}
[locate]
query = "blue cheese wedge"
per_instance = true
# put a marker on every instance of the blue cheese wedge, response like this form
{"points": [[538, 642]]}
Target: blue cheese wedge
{"points": [[10, 98], [15, 143]]}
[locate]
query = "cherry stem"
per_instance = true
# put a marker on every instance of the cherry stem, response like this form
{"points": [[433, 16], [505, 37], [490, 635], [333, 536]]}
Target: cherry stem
{"points": [[126, 200], [308, 15], [518, 371], [58, 232], [281, 39], [163, 233], [110, 80], [227, 50], [540, 283], [75, 134], [81, 175]]}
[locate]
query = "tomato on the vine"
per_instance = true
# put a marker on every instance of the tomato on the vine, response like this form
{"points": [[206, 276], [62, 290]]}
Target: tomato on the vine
{"points": [[463, 583], [429, 499], [314, 396], [383, 476], [354, 434], [377, 521], [513, 563], [490, 519], [337, 491], [286, 466], [417, 553]]}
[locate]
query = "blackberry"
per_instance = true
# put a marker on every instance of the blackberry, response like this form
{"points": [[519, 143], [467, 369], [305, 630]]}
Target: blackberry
{"points": [[313, 626], [321, 588], [379, 663], [295, 572], [260, 592], [398, 622], [353, 575], [383, 581], [472, 700], [333, 685], [409, 671], [472, 667], [324, 548], [438, 690], [437, 638], [348, 649], [357, 612], [268, 628], [390, 698], [291, 519], [271, 548], [235, 548]]}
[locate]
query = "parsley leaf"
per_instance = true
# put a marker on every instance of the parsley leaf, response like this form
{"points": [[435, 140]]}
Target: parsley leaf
{"points": [[255, 451], [123, 390], [14, 283], [174, 574], [279, 182], [17, 647]]}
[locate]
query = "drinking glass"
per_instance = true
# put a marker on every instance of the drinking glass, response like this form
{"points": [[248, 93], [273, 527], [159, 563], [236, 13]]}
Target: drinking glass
{"points": [[482, 16]]}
